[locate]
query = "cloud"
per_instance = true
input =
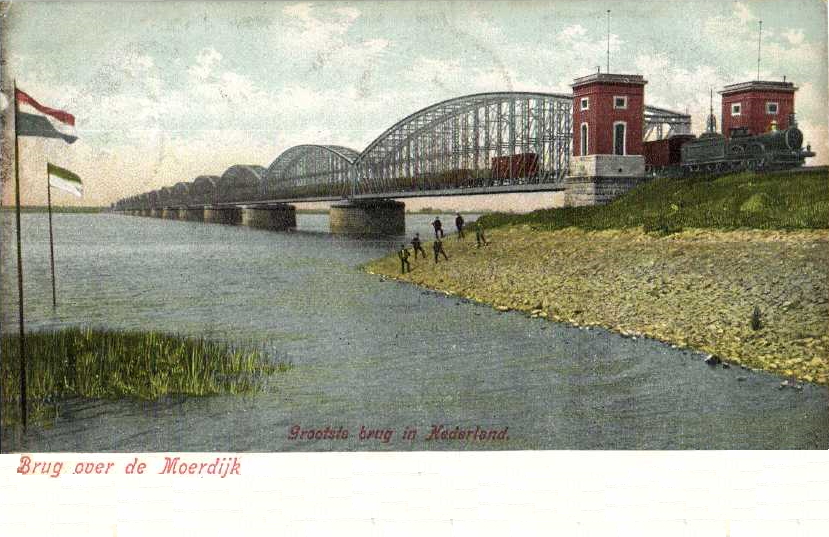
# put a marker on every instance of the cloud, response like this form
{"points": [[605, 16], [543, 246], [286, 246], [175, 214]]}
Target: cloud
{"points": [[742, 13], [321, 39], [795, 36], [571, 34], [680, 88], [138, 64], [206, 61]]}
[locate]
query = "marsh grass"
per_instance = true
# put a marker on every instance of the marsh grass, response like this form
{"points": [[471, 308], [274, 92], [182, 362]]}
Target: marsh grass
{"points": [[104, 364], [781, 200]]}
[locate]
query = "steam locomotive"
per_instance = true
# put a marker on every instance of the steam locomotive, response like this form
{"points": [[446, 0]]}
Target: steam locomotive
{"points": [[712, 152]]}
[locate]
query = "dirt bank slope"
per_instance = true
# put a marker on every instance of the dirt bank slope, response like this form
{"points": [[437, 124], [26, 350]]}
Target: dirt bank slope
{"points": [[696, 289]]}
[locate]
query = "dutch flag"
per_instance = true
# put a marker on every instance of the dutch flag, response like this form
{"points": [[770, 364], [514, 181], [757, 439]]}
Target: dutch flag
{"points": [[34, 119]]}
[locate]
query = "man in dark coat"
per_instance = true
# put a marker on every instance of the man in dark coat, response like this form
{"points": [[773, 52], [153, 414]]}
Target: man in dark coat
{"points": [[459, 225], [437, 246], [417, 246], [438, 228]]}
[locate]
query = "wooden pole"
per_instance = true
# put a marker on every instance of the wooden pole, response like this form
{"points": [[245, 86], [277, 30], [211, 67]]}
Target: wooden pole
{"points": [[51, 239], [22, 336]]}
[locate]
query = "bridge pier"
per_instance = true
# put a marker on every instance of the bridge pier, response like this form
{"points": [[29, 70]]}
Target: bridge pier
{"points": [[223, 215], [155, 213], [598, 179], [191, 214], [170, 213], [275, 217], [369, 217]]}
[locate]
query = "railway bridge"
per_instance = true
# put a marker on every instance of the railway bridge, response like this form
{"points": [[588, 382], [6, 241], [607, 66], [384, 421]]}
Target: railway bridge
{"points": [[485, 143]]}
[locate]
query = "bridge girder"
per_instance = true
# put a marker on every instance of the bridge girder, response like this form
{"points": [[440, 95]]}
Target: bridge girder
{"points": [[204, 189], [454, 141], [181, 193], [241, 182], [663, 123], [312, 170]]}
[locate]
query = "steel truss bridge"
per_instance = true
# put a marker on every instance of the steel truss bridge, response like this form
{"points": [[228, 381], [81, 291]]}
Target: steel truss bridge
{"points": [[448, 148]]}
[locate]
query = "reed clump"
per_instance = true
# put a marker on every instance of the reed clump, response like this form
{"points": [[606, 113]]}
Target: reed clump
{"points": [[106, 364]]}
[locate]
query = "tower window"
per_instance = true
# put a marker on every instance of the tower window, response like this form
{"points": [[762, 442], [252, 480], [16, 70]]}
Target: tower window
{"points": [[584, 133], [585, 103], [620, 103], [736, 109], [619, 129], [771, 108]]}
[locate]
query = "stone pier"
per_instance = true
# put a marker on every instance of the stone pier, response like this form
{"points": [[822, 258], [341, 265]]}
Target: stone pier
{"points": [[223, 215], [170, 213], [275, 217], [598, 179], [191, 214], [369, 217]]}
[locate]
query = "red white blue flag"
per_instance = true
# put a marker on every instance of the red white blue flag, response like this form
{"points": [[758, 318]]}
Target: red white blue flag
{"points": [[34, 119]]}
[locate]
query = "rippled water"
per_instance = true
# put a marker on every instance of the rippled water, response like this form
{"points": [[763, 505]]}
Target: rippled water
{"points": [[369, 352]]}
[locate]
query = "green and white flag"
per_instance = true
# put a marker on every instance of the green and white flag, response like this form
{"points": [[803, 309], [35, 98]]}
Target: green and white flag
{"points": [[65, 180]]}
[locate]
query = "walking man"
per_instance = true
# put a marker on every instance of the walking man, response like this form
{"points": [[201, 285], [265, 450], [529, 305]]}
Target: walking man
{"points": [[438, 228], [459, 225], [417, 246], [403, 254], [437, 246], [479, 234]]}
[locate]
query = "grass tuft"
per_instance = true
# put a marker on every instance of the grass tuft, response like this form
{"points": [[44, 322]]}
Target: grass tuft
{"points": [[104, 364]]}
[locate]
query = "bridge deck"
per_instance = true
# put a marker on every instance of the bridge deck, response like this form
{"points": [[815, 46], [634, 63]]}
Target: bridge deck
{"points": [[472, 191]]}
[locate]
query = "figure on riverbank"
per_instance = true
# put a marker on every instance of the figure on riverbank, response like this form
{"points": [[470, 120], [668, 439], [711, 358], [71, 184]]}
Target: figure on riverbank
{"points": [[438, 225], [417, 246], [459, 225], [403, 254], [480, 238], [437, 246]]}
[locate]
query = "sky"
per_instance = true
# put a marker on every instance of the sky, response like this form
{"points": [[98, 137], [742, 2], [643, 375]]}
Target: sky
{"points": [[164, 92]]}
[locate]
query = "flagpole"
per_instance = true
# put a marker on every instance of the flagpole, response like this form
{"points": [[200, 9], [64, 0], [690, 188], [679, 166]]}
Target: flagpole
{"points": [[51, 239], [22, 339]]}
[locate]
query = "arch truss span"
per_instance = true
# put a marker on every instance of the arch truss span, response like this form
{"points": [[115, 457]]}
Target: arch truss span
{"points": [[239, 183], [311, 170], [480, 140]]}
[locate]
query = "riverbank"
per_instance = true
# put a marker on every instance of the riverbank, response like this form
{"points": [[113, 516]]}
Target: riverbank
{"points": [[696, 288], [103, 364]]}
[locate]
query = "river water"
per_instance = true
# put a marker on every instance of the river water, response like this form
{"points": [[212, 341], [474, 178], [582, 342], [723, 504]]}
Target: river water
{"points": [[369, 353]]}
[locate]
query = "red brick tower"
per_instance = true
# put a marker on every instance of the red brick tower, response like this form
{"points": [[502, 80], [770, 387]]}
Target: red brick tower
{"points": [[755, 105], [610, 110], [608, 124]]}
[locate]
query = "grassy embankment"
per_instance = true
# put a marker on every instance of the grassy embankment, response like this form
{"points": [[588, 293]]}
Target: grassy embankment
{"points": [[684, 261], [108, 365]]}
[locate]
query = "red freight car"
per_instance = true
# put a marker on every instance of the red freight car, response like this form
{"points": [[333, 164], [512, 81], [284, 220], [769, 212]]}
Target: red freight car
{"points": [[664, 153], [514, 166]]}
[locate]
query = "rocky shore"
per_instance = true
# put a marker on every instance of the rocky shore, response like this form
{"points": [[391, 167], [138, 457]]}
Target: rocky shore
{"points": [[759, 299]]}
